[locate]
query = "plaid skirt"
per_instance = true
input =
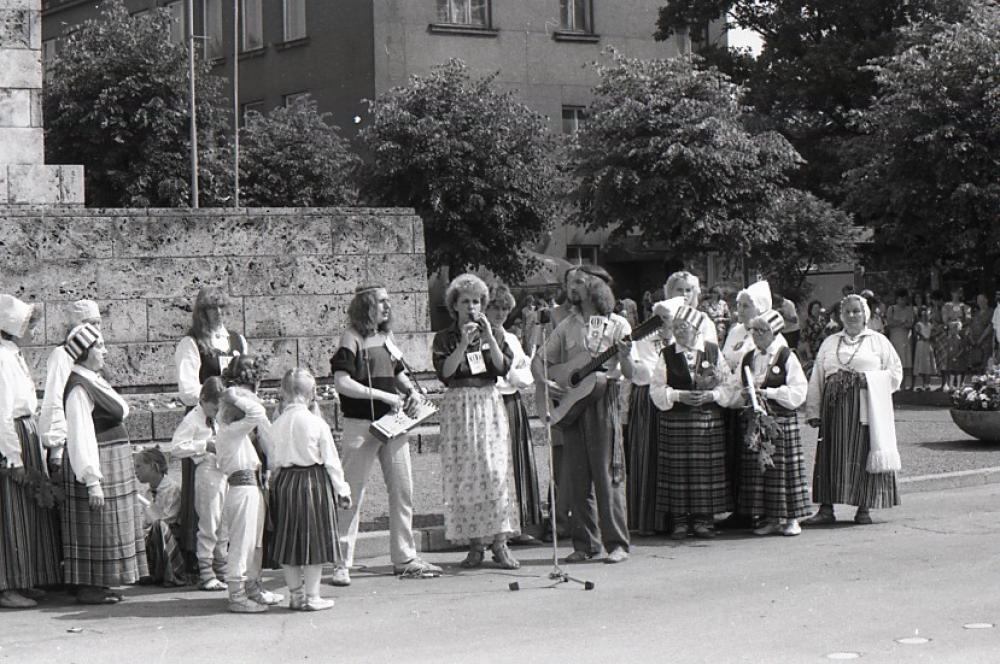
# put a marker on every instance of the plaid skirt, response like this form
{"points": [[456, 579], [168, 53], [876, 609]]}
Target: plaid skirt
{"points": [[163, 553], [29, 535], [522, 454], [691, 457], [303, 513], [641, 464], [839, 475], [781, 492], [105, 547]]}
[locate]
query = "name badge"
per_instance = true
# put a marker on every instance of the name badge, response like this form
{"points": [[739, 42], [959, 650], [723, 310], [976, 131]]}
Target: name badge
{"points": [[477, 365]]}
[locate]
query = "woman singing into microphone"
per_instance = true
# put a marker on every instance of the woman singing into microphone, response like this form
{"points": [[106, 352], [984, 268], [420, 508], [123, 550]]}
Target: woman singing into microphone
{"points": [[475, 447]]}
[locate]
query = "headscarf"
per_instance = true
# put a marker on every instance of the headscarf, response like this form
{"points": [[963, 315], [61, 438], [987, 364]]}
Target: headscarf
{"points": [[80, 339], [15, 315], [760, 294]]}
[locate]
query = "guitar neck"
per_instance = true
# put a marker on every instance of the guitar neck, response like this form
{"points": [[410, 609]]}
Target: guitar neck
{"points": [[645, 329]]}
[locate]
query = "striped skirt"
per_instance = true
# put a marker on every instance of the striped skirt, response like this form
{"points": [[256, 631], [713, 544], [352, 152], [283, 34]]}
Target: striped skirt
{"points": [[303, 510], [163, 553], [476, 472], [691, 457], [105, 547], [642, 464], [522, 453], [842, 451], [29, 534], [781, 492]]}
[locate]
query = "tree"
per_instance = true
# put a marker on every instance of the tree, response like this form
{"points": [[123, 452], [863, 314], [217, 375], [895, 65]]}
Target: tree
{"points": [[664, 153], [294, 157], [929, 179], [118, 104], [811, 74], [474, 162], [808, 231]]}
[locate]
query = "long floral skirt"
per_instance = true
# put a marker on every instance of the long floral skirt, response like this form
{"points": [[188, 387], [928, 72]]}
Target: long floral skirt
{"points": [[475, 463]]}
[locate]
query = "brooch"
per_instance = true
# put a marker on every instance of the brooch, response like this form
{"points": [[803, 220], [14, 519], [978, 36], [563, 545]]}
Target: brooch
{"points": [[775, 370], [705, 364]]}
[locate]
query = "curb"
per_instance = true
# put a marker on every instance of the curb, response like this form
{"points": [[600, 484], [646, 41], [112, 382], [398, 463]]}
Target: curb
{"points": [[374, 543]]}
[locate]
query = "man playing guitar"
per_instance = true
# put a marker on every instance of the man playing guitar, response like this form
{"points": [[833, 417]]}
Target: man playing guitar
{"points": [[593, 450]]}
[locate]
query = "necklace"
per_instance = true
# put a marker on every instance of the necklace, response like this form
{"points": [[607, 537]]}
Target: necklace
{"points": [[857, 346]]}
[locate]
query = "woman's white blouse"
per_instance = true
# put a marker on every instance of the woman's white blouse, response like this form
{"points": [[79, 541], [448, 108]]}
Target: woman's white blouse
{"points": [[664, 397], [81, 439], [17, 399], [519, 377], [645, 354], [875, 353], [739, 343], [791, 395], [188, 362]]}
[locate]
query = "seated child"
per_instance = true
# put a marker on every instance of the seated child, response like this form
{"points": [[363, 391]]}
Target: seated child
{"points": [[306, 476], [240, 412], [161, 510], [194, 440]]}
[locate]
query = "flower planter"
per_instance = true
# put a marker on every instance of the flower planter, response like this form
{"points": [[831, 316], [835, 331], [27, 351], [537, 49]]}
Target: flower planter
{"points": [[981, 424]]}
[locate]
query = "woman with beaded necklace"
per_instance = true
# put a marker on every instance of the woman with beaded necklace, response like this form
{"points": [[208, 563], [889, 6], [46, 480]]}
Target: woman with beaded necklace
{"points": [[851, 366]]}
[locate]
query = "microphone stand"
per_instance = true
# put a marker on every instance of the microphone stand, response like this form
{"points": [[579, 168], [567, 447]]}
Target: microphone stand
{"points": [[557, 573]]}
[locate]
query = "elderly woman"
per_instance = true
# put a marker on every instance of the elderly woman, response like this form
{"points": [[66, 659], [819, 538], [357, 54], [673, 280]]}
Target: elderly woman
{"points": [[29, 549], [103, 541], [774, 484], [205, 351], [521, 448], [688, 386], [856, 457], [475, 439]]}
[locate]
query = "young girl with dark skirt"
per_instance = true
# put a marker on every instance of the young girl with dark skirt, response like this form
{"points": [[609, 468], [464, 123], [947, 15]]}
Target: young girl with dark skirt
{"points": [[307, 486]]}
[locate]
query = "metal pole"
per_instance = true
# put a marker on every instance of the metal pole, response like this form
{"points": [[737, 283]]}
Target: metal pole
{"points": [[193, 112], [236, 103]]}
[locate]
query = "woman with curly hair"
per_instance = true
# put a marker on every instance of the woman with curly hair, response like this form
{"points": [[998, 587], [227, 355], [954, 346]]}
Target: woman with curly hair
{"points": [[469, 358]]}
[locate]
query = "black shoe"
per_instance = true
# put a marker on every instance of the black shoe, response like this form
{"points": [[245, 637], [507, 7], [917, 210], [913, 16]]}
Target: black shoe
{"points": [[736, 522]]}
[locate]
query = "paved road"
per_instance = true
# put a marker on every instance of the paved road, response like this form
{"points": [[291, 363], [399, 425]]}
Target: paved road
{"points": [[924, 569]]}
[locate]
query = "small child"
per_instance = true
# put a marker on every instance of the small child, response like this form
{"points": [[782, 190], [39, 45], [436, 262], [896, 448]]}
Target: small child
{"points": [[194, 439], [955, 361], [161, 512], [240, 412], [306, 476], [924, 364]]}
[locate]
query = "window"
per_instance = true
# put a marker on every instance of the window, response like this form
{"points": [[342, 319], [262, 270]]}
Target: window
{"points": [[290, 99], [575, 15], [698, 34], [213, 29], [572, 118], [464, 12], [252, 22], [176, 11], [246, 107], [295, 20], [582, 254]]}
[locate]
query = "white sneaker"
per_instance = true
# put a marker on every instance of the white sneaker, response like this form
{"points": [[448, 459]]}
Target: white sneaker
{"points": [[317, 604], [767, 528], [792, 528], [341, 577]]}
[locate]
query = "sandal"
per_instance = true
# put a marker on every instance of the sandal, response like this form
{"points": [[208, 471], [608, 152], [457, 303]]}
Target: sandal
{"points": [[474, 558], [96, 597], [502, 556]]}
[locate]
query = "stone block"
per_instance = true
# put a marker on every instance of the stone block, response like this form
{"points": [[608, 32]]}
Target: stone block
{"points": [[121, 321], [404, 312], [36, 357], [348, 233], [160, 277], [295, 315], [140, 425], [57, 279], [35, 30], [422, 321], [178, 234], [141, 364], [21, 145], [400, 273], [418, 235], [277, 355], [36, 108], [315, 354], [40, 184], [20, 68], [416, 348], [50, 238], [15, 108], [389, 234], [165, 422], [15, 28], [292, 274], [20, 4], [4, 194], [170, 319]]}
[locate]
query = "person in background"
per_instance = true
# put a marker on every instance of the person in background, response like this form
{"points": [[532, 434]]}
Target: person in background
{"points": [[877, 322], [980, 335], [52, 418], [194, 439], [791, 329], [813, 330], [717, 309], [955, 358], [160, 512], [686, 285], [29, 542], [899, 325]]}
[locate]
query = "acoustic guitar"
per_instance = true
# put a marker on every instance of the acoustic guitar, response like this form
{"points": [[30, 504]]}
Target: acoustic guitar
{"points": [[582, 380]]}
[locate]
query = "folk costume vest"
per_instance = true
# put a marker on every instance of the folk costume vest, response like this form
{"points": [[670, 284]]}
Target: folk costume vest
{"points": [[108, 415], [777, 375], [214, 361], [679, 376]]}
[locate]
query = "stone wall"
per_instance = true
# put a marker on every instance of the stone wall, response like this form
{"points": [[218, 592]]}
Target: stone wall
{"points": [[290, 273]]}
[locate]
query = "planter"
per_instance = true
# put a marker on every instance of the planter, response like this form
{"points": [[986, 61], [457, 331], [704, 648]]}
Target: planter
{"points": [[981, 424]]}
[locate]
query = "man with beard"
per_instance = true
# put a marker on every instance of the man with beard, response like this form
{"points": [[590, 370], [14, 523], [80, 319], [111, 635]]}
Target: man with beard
{"points": [[370, 375], [593, 452]]}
